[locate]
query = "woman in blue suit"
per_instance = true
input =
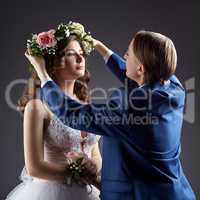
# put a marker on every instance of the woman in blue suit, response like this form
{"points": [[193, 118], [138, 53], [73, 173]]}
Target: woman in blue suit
{"points": [[141, 123]]}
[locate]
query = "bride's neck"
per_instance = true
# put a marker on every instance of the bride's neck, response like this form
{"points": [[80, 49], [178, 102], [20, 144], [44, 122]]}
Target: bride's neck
{"points": [[67, 86]]}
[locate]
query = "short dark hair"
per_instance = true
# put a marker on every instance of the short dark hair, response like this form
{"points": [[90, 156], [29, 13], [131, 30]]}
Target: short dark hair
{"points": [[158, 55]]}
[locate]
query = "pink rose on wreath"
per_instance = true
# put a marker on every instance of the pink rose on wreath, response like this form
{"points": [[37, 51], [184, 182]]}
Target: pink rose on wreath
{"points": [[46, 39]]}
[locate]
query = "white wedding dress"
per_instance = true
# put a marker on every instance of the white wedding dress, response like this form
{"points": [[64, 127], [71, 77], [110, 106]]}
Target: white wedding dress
{"points": [[57, 139]]}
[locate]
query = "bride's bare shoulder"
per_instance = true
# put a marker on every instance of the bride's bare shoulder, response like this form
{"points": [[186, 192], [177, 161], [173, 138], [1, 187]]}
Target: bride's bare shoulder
{"points": [[38, 106]]}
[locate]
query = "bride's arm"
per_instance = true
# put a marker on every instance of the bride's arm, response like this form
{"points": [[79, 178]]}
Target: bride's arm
{"points": [[34, 116], [96, 156]]}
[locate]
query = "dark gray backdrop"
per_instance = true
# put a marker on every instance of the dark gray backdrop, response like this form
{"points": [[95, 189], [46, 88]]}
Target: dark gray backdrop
{"points": [[113, 22]]}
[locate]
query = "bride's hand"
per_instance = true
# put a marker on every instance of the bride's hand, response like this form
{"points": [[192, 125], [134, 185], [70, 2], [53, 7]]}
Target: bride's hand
{"points": [[39, 65], [89, 166], [37, 62], [87, 163], [74, 156]]}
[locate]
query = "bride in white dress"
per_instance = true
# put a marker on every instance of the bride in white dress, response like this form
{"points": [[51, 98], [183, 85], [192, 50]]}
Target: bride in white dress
{"points": [[46, 138]]}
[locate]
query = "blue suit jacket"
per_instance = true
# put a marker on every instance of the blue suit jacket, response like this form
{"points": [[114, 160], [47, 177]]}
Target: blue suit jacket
{"points": [[141, 128]]}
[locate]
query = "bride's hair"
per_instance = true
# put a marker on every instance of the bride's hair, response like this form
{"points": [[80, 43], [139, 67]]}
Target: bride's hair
{"points": [[32, 89]]}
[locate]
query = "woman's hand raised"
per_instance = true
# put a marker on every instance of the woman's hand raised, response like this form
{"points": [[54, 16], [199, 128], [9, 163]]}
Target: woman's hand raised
{"points": [[39, 65], [101, 48]]}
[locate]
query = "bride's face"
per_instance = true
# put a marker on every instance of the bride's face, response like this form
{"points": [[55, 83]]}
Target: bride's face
{"points": [[73, 62]]}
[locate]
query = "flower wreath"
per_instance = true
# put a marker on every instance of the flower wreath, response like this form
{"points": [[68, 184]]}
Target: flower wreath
{"points": [[46, 42]]}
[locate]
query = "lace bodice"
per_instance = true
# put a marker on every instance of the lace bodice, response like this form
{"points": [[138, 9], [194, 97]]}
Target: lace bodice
{"points": [[60, 138]]}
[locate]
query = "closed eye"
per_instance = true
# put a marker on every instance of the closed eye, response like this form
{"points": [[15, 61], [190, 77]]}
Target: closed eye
{"points": [[74, 53], [70, 54]]}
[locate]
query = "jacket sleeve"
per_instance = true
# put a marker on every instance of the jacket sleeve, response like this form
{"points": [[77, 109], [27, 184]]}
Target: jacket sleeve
{"points": [[117, 66], [100, 119]]}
